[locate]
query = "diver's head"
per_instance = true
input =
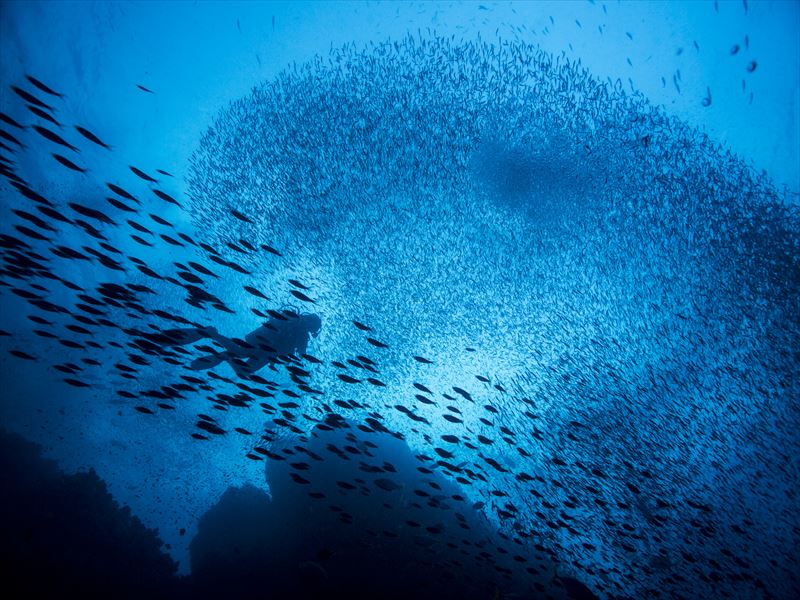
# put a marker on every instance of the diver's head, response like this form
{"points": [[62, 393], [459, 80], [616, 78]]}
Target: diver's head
{"points": [[312, 323]]}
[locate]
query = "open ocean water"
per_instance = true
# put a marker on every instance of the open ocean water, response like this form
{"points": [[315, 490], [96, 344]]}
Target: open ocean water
{"points": [[400, 300]]}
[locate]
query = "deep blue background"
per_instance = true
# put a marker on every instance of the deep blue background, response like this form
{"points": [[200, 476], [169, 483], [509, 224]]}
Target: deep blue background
{"points": [[198, 58]]}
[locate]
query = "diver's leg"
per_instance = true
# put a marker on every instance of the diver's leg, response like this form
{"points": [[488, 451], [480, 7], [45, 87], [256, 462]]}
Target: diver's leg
{"points": [[239, 366], [236, 362], [227, 343], [179, 337], [234, 354], [207, 361]]}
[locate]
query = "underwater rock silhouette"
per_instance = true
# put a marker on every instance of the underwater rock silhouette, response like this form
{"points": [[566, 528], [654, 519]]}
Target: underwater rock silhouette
{"points": [[342, 535], [65, 536]]}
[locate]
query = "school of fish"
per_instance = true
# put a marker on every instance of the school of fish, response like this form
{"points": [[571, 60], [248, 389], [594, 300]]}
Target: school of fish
{"points": [[580, 310]]}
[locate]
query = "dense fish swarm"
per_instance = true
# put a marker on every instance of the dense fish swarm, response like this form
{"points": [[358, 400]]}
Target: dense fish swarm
{"points": [[634, 282], [578, 311]]}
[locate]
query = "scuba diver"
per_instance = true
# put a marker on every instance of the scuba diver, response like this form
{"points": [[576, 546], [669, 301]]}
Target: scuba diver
{"points": [[286, 334]]}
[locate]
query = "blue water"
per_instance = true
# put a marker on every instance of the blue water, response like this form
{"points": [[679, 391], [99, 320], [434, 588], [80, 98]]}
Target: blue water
{"points": [[573, 226]]}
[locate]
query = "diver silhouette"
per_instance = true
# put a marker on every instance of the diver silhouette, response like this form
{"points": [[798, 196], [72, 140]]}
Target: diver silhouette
{"points": [[285, 335]]}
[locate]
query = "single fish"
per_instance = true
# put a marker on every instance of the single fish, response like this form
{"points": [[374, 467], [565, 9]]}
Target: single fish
{"points": [[121, 192], [43, 114], [9, 121], [54, 137], [165, 197], [240, 216], [28, 97], [7, 136], [300, 296], [270, 249], [91, 137], [142, 175], [42, 87], [68, 163]]}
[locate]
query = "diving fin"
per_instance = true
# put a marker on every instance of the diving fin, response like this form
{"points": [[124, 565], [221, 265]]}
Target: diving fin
{"points": [[182, 337]]}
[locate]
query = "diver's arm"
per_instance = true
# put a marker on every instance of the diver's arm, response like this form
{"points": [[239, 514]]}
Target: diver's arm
{"points": [[302, 346]]}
